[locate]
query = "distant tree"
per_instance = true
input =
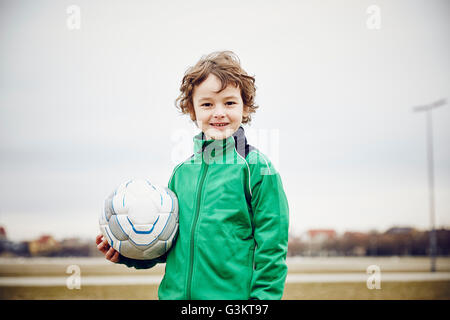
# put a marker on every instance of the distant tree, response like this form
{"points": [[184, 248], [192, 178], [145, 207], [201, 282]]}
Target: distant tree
{"points": [[296, 247]]}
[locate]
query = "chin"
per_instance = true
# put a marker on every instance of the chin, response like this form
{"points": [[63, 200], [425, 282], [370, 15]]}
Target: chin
{"points": [[217, 134]]}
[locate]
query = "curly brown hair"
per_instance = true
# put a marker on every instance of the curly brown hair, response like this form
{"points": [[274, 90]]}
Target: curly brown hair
{"points": [[226, 66]]}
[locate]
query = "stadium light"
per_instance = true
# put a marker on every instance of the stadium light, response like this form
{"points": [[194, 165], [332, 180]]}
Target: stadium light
{"points": [[428, 108]]}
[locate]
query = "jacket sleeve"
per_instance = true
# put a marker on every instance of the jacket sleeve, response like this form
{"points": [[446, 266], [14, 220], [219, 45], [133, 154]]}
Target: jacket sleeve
{"points": [[147, 264], [271, 223]]}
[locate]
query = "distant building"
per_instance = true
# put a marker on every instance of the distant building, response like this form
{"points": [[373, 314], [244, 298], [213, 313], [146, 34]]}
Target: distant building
{"points": [[319, 235], [355, 243], [355, 235], [400, 230], [45, 245], [316, 241], [75, 247]]}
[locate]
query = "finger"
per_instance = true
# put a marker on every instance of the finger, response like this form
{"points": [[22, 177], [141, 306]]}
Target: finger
{"points": [[106, 244], [103, 246], [100, 245], [110, 253], [98, 239], [115, 257]]}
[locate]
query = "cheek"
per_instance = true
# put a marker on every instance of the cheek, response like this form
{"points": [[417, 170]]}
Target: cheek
{"points": [[202, 116], [237, 115], [203, 120], [198, 114], [192, 115]]}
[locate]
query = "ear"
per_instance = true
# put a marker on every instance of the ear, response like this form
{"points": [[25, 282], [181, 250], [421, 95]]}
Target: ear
{"points": [[245, 111]]}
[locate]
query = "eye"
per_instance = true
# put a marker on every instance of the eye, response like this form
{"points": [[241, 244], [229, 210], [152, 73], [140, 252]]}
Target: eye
{"points": [[206, 105], [230, 103]]}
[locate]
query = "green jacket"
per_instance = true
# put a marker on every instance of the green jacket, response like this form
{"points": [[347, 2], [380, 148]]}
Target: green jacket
{"points": [[233, 225]]}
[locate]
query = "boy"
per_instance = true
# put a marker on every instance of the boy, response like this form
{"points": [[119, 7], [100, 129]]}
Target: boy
{"points": [[233, 212]]}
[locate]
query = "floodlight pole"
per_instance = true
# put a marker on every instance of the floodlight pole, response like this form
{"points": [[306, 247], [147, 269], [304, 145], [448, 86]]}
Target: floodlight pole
{"points": [[433, 240]]}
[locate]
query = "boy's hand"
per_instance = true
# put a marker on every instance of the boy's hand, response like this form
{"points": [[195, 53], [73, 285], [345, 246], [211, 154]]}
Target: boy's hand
{"points": [[109, 252]]}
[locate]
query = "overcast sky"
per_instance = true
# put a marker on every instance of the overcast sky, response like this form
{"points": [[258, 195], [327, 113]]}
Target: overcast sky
{"points": [[83, 110]]}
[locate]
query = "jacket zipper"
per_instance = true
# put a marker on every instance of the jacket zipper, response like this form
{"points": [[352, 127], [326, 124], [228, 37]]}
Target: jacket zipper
{"points": [[194, 224]]}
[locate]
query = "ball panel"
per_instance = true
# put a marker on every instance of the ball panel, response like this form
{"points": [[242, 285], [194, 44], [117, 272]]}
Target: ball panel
{"points": [[142, 235], [174, 201], [116, 228], [142, 239], [103, 231], [155, 251], [118, 203], [142, 210], [130, 251], [117, 245], [160, 224], [109, 211], [143, 246], [102, 219], [108, 235], [121, 188], [168, 227], [155, 195], [122, 220], [172, 237]]}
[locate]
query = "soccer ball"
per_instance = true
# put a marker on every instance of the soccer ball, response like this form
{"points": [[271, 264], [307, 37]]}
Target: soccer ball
{"points": [[140, 220]]}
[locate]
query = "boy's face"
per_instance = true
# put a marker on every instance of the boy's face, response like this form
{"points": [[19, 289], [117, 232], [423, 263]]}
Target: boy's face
{"points": [[218, 115]]}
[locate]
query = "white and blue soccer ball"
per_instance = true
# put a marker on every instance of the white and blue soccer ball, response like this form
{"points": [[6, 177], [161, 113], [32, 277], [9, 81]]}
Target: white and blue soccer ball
{"points": [[140, 220]]}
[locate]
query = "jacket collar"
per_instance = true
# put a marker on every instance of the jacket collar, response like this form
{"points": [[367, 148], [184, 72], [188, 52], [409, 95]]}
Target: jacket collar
{"points": [[214, 149]]}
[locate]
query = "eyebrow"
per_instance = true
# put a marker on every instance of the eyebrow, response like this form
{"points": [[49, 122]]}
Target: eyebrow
{"points": [[231, 97], [224, 98]]}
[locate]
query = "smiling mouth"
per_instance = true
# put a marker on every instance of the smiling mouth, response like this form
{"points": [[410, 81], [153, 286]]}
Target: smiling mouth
{"points": [[219, 124]]}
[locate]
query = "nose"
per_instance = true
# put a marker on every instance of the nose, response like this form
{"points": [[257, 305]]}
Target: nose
{"points": [[219, 112]]}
